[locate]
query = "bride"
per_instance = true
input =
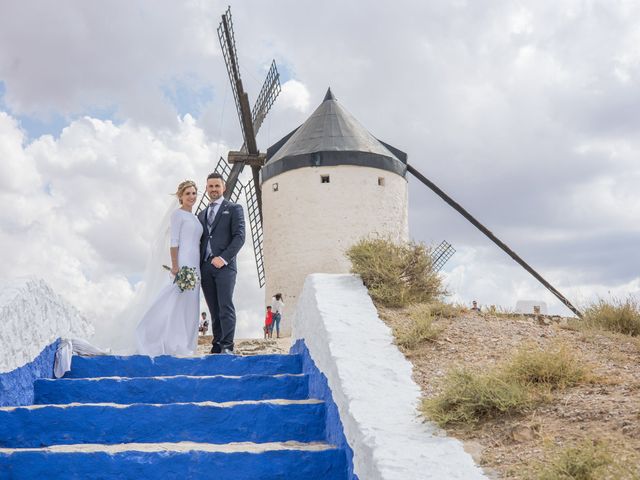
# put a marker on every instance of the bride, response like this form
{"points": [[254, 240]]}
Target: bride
{"points": [[170, 324]]}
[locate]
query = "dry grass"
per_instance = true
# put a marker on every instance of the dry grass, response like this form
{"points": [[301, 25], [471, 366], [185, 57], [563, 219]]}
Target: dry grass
{"points": [[510, 388], [420, 328], [446, 310], [615, 316], [555, 367], [469, 397], [585, 460], [396, 275]]}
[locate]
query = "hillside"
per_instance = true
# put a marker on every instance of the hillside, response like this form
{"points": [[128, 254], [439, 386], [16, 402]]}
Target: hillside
{"points": [[603, 410]]}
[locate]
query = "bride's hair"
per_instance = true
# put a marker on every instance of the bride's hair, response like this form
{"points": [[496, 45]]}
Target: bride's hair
{"points": [[183, 186]]}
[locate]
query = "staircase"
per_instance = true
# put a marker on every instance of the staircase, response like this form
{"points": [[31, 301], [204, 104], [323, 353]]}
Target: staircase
{"points": [[212, 417]]}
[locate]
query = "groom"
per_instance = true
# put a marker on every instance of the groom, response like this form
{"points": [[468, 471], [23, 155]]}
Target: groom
{"points": [[222, 238]]}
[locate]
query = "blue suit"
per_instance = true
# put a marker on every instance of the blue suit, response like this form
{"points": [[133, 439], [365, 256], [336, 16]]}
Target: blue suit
{"points": [[225, 236]]}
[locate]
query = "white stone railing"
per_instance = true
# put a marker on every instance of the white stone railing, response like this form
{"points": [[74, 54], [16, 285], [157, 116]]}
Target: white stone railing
{"points": [[33, 316], [371, 384]]}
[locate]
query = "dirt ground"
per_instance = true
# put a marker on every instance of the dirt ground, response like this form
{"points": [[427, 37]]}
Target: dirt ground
{"points": [[607, 408], [250, 346]]}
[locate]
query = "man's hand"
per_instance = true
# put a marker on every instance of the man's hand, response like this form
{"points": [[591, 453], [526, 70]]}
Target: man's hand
{"points": [[217, 262]]}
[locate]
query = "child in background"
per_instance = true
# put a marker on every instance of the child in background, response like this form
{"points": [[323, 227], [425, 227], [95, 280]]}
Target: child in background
{"points": [[268, 323]]}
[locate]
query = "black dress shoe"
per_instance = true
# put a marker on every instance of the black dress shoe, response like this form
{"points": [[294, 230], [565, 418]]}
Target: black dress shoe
{"points": [[215, 349]]}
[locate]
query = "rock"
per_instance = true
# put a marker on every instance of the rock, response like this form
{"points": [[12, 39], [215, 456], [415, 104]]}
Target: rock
{"points": [[523, 433], [475, 449]]}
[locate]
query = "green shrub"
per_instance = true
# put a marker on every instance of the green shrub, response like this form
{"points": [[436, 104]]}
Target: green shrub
{"points": [[586, 460], [469, 397], [554, 367], [421, 328], [615, 316], [396, 275]]}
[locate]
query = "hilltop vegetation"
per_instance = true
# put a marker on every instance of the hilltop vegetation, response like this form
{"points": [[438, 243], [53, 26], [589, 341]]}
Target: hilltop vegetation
{"points": [[526, 398], [396, 275], [546, 400]]}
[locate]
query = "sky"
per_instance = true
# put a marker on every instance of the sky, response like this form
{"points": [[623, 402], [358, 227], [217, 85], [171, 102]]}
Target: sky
{"points": [[526, 113]]}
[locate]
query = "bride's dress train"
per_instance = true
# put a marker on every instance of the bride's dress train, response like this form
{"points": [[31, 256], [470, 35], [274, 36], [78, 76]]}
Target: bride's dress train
{"points": [[170, 324]]}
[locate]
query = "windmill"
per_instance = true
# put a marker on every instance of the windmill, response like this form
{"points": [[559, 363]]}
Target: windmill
{"points": [[306, 147], [250, 122]]}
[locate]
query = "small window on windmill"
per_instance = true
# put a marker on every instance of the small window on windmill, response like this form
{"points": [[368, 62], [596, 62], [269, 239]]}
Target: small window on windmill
{"points": [[275, 187], [381, 181], [324, 179]]}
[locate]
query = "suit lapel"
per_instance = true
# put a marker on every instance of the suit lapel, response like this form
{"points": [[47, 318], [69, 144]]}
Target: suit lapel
{"points": [[221, 208], [203, 219]]}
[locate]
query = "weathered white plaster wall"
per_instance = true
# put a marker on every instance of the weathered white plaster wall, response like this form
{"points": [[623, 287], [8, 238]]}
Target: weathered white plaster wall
{"points": [[32, 316], [527, 306], [372, 386], [308, 225]]}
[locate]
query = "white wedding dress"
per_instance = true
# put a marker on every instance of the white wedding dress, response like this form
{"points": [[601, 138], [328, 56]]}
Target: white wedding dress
{"points": [[170, 324]]}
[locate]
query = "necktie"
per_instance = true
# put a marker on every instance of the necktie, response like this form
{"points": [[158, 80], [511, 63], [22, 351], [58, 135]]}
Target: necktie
{"points": [[210, 214]]}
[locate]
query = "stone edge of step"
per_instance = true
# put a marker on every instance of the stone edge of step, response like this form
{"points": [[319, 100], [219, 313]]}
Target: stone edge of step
{"points": [[167, 377], [275, 401], [180, 447]]}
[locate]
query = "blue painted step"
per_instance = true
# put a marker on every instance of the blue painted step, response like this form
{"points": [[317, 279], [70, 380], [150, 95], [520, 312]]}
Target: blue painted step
{"points": [[142, 418], [171, 389], [143, 366], [327, 464], [207, 423]]}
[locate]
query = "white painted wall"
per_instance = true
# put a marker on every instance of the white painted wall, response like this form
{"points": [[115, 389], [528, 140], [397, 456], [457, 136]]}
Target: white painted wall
{"points": [[372, 386], [526, 306], [32, 316], [308, 225]]}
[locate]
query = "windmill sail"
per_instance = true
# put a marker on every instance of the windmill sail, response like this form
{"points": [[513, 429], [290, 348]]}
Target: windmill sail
{"points": [[456, 206], [250, 124], [267, 96], [256, 229], [230, 55], [441, 255]]}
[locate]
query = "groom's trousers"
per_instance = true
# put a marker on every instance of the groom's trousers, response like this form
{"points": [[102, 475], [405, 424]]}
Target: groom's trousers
{"points": [[217, 286]]}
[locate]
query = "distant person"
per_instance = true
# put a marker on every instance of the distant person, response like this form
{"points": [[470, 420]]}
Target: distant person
{"points": [[277, 306], [474, 306], [204, 324], [268, 323]]}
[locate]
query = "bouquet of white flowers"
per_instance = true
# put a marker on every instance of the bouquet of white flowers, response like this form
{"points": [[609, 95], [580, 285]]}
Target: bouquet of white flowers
{"points": [[187, 278]]}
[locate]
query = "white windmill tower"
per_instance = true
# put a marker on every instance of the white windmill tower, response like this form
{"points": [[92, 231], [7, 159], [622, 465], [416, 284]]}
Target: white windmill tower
{"points": [[326, 185]]}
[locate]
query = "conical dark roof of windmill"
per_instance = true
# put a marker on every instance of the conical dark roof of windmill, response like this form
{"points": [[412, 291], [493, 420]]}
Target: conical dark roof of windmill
{"points": [[332, 136]]}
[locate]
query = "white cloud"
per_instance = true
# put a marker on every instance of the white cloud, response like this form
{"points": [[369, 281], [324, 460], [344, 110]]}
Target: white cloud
{"points": [[294, 95], [70, 56], [17, 172]]}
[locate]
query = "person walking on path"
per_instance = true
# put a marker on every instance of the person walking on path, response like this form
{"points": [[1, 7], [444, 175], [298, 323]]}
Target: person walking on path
{"points": [[276, 306]]}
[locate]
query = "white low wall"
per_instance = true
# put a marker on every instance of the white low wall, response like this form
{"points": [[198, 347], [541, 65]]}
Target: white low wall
{"points": [[372, 386], [33, 316]]}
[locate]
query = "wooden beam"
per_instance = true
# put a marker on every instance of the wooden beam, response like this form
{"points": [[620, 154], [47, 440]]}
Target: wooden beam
{"points": [[254, 160]]}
